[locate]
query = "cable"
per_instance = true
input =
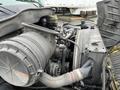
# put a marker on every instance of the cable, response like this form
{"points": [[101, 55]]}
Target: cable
{"points": [[90, 86], [37, 87]]}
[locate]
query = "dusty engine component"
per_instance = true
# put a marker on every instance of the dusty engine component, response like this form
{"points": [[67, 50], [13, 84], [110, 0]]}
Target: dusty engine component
{"points": [[14, 15], [111, 69], [109, 21], [109, 24], [49, 54], [115, 67], [91, 47], [24, 57], [67, 78]]}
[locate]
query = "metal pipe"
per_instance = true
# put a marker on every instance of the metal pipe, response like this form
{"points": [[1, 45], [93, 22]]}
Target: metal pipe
{"points": [[40, 28], [77, 51], [66, 79]]}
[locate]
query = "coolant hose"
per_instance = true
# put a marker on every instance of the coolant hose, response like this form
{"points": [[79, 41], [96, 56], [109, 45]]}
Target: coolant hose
{"points": [[66, 79]]}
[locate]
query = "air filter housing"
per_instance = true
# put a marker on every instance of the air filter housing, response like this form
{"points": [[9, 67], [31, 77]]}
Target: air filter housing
{"points": [[22, 57]]}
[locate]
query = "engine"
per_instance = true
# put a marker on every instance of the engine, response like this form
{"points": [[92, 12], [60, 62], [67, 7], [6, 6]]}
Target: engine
{"points": [[39, 51]]}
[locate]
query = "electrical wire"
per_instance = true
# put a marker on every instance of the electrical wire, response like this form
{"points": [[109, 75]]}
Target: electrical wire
{"points": [[37, 87]]}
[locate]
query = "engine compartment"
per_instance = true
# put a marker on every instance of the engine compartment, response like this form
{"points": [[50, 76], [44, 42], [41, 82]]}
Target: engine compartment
{"points": [[39, 52]]}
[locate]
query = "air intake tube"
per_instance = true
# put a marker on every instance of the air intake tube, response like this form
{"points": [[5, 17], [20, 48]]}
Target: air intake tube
{"points": [[68, 78], [23, 57]]}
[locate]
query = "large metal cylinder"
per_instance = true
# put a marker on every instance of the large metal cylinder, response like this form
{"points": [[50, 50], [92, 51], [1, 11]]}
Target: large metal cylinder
{"points": [[23, 57]]}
